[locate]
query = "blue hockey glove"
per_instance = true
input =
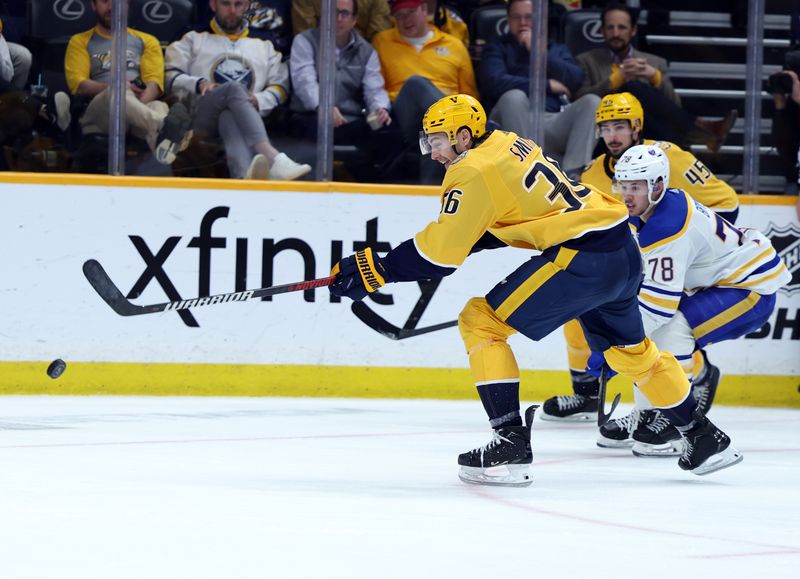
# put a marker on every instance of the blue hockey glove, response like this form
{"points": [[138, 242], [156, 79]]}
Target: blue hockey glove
{"points": [[359, 275], [597, 361]]}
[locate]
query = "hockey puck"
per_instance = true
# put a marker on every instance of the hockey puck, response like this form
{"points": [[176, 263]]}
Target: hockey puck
{"points": [[56, 368]]}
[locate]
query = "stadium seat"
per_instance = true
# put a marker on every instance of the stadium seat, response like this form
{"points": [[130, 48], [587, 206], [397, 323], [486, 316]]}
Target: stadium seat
{"points": [[167, 20], [50, 26], [582, 30], [488, 23]]}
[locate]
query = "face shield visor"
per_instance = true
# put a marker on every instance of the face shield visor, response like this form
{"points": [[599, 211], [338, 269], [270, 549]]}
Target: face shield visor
{"points": [[435, 142], [608, 129]]}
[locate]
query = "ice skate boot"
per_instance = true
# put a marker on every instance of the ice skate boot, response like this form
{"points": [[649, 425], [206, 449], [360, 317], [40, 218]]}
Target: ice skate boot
{"points": [[503, 461], [656, 436], [616, 433], [707, 449], [574, 408], [705, 388]]}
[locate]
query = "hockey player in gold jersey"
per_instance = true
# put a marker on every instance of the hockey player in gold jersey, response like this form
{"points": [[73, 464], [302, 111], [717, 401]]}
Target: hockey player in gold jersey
{"points": [[620, 121], [500, 189]]}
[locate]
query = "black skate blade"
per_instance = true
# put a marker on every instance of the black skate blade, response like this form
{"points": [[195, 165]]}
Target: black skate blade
{"points": [[725, 459]]}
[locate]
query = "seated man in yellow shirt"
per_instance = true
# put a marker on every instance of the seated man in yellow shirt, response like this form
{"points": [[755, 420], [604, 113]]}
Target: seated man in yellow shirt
{"points": [[87, 67], [420, 65]]}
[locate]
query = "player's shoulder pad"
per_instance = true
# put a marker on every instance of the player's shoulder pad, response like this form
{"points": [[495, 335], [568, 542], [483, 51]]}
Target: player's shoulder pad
{"points": [[669, 220]]}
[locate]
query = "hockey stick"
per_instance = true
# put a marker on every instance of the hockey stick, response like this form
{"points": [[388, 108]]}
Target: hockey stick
{"points": [[602, 417], [110, 293], [377, 323]]}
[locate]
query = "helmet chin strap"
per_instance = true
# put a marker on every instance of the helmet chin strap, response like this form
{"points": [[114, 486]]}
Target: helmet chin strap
{"points": [[652, 202]]}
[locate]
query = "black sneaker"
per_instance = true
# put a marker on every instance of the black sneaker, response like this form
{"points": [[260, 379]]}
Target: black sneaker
{"points": [[573, 408], [509, 451], [656, 436], [616, 433], [704, 390], [174, 135], [707, 448]]}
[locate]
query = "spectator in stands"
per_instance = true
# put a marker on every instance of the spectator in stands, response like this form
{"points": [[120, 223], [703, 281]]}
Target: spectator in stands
{"points": [[15, 65], [361, 114], [446, 19], [420, 65], [87, 66], [373, 16], [266, 19], [570, 131], [785, 89], [236, 80], [619, 67]]}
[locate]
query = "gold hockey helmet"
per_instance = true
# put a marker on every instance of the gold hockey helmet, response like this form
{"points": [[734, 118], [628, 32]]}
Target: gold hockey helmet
{"points": [[451, 113], [622, 106]]}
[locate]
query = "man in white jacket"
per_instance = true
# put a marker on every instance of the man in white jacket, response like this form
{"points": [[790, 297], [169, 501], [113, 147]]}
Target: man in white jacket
{"points": [[238, 80]]}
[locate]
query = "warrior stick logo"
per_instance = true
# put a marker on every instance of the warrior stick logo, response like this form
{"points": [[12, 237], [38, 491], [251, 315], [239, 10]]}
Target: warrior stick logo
{"points": [[786, 241], [210, 300]]}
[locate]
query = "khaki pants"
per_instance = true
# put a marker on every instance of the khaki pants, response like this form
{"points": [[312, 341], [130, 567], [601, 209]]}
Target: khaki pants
{"points": [[144, 119]]}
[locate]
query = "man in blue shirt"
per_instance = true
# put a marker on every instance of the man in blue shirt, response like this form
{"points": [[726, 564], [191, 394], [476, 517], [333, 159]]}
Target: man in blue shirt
{"points": [[504, 75]]}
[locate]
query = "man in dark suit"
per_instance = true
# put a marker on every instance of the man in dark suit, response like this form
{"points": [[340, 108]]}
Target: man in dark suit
{"points": [[619, 67]]}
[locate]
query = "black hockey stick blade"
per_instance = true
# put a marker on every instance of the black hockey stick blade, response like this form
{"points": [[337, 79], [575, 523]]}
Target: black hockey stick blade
{"points": [[602, 417], [364, 313], [102, 284]]}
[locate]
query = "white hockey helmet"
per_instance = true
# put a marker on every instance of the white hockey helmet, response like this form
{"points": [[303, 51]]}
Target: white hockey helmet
{"points": [[643, 163]]}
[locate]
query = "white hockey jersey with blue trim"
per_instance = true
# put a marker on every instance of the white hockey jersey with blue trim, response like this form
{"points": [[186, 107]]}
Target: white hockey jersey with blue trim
{"points": [[686, 247]]}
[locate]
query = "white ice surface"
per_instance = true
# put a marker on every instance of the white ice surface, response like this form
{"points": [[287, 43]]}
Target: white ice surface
{"points": [[123, 487]]}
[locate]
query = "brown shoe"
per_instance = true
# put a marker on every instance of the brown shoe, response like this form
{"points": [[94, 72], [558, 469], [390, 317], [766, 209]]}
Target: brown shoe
{"points": [[714, 133]]}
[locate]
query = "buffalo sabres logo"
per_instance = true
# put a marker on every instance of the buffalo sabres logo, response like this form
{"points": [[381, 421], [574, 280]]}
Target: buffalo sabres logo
{"points": [[786, 241], [233, 68]]}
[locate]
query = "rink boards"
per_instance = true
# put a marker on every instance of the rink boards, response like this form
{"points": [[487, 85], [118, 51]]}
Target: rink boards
{"points": [[167, 239]]}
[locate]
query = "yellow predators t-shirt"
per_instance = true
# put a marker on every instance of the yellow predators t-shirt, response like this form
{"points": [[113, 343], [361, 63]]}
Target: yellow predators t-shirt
{"points": [[508, 187], [686, 172]]}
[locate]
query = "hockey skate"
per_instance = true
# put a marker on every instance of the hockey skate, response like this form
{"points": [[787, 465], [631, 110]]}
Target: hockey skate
{"points": [[503, 461], [574, 408], [707, 448], [616, 433], [704, 390], [656, 436]]}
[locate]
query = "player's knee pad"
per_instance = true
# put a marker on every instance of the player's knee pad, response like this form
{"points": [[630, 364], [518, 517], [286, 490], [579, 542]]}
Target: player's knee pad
{"points": [[578, 350], [480, 326], [485, 336], [657, 374]]}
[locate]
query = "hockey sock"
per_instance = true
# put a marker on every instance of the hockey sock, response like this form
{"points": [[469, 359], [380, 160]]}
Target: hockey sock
{"points": [[681, 415], [501, 402], [584, 384]]}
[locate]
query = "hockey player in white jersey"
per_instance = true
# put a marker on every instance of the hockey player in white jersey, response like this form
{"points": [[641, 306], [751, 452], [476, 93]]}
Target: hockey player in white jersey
{"points": [[705, 281]]}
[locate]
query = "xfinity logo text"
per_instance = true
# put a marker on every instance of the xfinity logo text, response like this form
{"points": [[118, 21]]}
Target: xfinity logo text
{"points": [[207, 244]]}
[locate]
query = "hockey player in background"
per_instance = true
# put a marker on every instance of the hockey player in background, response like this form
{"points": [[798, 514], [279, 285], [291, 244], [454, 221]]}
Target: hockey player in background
{"points": [[620, 121], [500, 189], [705, 281]]}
